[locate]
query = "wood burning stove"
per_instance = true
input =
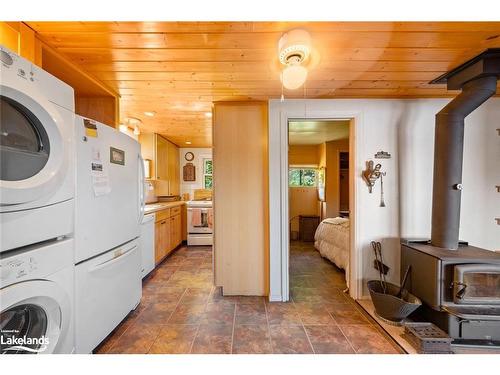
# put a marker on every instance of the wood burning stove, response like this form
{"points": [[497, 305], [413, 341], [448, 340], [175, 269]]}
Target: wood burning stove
{"points": [[460, 289], [458, 284]]}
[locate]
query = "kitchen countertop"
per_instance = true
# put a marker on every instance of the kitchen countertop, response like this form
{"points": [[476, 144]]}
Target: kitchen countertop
{"points": [[158, 206]]}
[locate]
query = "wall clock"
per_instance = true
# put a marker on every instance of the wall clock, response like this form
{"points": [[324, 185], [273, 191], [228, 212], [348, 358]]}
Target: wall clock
{"points": [[189, 156]]}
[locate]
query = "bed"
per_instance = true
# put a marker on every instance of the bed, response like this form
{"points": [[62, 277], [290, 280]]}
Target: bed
{"points": [[332, 241]]}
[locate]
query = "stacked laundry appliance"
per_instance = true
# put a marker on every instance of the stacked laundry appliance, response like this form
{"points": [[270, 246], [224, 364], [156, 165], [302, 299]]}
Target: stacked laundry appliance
{"points": [[37, 189]]}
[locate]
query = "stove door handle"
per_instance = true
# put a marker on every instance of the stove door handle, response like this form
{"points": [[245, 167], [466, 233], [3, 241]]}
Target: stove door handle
{"points": [[461, 291]]}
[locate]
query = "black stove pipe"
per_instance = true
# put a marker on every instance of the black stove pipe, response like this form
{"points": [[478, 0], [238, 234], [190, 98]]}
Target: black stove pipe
{"points": [[448, 157]]}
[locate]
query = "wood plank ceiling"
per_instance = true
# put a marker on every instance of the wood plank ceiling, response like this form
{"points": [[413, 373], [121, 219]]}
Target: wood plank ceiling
{"points": [[177, 69]]}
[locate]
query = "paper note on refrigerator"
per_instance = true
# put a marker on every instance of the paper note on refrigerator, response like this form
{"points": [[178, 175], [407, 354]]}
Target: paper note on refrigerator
{"points": [[100, 184], [100, 180]]}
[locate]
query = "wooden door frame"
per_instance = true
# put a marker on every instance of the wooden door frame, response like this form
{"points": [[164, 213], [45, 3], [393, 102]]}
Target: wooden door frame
{"points": [[279, 116]]}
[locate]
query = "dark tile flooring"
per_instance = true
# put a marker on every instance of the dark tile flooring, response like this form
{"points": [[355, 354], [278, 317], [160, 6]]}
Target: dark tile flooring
{"points": [[182, 312]]}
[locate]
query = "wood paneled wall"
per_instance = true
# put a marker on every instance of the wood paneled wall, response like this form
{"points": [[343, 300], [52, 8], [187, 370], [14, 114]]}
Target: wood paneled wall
{"points": [[241, 210], [93, 98]]}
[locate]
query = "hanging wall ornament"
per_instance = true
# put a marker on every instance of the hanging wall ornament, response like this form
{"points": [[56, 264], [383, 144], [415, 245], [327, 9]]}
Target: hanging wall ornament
{"points": [[189, 172]]}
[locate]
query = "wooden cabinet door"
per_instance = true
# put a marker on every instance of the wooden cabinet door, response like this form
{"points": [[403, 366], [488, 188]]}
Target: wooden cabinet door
{"points": [[159, 241], [177, 222], [175, 231], [161, 158], [184, 223], [173, 168], [171, 228], [166, 237]]}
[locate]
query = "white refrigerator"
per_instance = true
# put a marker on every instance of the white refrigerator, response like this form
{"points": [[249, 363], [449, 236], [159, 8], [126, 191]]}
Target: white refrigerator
{"points": [[109, 207]]}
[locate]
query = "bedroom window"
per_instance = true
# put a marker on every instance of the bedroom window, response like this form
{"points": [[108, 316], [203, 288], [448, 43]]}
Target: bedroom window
{"points": [[302, 177]]}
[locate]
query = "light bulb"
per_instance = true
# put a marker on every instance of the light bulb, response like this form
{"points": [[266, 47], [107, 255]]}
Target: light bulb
{"points": [[294, 76]]}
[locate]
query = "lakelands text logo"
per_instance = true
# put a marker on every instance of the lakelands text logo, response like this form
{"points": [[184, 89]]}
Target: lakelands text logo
{"points": [[10, 342]]}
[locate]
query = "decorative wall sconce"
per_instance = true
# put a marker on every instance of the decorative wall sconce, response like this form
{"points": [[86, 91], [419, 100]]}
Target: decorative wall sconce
{"points": [[371, 174]]}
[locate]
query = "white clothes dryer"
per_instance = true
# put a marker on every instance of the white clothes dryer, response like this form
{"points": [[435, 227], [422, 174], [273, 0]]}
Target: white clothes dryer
{"points": [[36, 154]]}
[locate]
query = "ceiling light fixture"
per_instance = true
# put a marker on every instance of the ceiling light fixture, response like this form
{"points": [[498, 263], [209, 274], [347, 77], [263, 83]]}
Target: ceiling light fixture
{"points": [[133, 121], [294, 48], [208, 114], [123, 128], [294, 75], [150, 113], [188, 142]]}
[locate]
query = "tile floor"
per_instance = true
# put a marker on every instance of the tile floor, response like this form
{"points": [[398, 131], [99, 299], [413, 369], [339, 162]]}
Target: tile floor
{"points": [[181, 312]]}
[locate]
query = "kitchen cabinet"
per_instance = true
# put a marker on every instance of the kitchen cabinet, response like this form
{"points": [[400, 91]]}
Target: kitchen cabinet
{"points": [[173, 168], [175, 231], [164, 163], [168, 232], [162, 238], [184, 222]]}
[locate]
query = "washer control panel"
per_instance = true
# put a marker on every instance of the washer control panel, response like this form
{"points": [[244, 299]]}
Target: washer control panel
{"points": [[23, 68], [17, 269], [35, 262]]}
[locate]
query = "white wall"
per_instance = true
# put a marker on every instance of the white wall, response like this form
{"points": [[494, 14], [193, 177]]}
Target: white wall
{"points": [[481, 172], [199, 155], [405, 128]]}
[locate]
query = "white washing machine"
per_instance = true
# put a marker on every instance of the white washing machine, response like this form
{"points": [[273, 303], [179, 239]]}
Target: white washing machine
{"points": [[36, 154], [36, 299]]}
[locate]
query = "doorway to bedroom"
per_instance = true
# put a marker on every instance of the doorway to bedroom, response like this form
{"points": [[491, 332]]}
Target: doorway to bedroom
{"points": [[318, 211]]}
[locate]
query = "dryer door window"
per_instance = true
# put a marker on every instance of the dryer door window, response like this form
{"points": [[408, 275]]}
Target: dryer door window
{"points": [[24, 144], [26, 322]]}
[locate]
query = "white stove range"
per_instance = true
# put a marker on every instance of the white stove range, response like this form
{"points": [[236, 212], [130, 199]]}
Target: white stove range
{"points": [[200, 223]]}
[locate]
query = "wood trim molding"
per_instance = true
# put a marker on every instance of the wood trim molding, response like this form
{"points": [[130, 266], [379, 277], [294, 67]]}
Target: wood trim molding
{"points": [[279, 114]]}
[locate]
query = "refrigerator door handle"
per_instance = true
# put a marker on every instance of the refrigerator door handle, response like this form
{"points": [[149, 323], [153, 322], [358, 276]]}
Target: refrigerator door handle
{"points": [[142, 192]]}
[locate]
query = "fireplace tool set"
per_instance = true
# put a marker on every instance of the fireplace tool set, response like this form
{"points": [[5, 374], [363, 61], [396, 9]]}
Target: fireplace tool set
{"points": [[393, 304]]}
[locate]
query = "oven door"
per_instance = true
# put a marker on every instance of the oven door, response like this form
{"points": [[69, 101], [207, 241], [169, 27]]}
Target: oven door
{"points": [[477, 284], [32, 148], [200, 220]]}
